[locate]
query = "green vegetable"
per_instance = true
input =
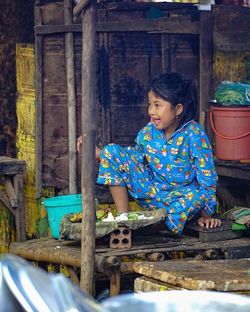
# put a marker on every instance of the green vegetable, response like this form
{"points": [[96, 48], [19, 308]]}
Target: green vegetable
{"points": [[233, 93], [132, 216]]}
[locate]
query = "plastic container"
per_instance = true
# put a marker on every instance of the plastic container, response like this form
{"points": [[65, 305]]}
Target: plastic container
{"points": [[177, 301], [59, 206], [231, 126]]}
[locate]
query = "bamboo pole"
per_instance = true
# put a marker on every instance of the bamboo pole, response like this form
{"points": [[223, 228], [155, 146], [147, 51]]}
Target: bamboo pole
{"points": [[71, 98], [88, 154]]}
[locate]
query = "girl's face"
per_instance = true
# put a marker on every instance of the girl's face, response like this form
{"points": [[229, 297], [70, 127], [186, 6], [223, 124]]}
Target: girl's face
{"points": [[163, 115]]}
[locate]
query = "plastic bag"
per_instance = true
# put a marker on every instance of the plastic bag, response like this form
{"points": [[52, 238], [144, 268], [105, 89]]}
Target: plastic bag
{"points": [[233, 93]]}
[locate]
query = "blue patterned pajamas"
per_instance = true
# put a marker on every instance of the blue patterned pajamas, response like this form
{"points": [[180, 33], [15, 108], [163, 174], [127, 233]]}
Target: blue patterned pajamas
{"points": [[177, 174]]}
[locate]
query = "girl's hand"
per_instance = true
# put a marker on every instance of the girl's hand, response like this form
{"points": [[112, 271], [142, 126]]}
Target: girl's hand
{"points": [[79, 147], [208, 222], [97, 153], [79, 144]]}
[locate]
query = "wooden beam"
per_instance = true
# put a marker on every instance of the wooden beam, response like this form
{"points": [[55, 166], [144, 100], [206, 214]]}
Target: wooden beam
{"points": [[182, 25], [56, 29], [233, 172], [6, 201], [171, 25], [78, 9], [88, 154], [144, 6], [10, 191], [71, 98]]}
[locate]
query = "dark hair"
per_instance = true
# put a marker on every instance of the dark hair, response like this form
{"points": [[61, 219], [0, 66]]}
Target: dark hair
{"points": [[175, 88]]}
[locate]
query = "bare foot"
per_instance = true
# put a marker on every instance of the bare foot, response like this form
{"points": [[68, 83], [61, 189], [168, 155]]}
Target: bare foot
{"points": [[208, 222]]}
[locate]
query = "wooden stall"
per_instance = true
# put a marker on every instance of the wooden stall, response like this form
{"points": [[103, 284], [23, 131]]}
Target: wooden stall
{"points": [[135, 42]]}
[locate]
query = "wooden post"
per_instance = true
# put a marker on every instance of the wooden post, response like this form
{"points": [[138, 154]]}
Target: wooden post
{"points": [[71, 97], [88, 154], [39, 98]]}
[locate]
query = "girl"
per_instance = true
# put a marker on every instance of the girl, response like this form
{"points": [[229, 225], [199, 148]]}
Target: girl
{"points": [[171, 166]]}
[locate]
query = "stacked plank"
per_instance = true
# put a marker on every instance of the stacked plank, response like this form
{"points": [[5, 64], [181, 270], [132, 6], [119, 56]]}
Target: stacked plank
{"points": [[218, 275]]}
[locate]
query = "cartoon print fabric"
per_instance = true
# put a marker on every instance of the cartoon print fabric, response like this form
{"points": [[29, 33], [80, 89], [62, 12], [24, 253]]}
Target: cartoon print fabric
{"points": [[177, 174]]}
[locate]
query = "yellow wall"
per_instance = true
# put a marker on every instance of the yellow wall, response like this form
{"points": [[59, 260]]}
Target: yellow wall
{"points": [[231, 66], [25, 71]]}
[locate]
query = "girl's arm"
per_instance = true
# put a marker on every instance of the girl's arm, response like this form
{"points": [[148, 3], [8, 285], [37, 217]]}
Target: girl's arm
{"points": [[137, 151]]}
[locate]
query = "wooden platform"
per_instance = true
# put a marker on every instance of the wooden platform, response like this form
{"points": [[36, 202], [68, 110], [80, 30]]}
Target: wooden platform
{"points": [[219, 275], [108, 261]]}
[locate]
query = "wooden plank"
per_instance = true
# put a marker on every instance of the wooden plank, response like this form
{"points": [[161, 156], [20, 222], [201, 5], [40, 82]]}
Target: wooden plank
{"points": [[145, 284], [232, 42], [71, 98], [165, 46], [199, 275], [105, 92], [89, 141], [39, 101], [231, 28], [105, 99], [174, 25], [236, 252], [206, 53]]}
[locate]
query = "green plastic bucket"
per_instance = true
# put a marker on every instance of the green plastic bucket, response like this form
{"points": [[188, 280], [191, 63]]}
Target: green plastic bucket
{"points": [[59, 206]]}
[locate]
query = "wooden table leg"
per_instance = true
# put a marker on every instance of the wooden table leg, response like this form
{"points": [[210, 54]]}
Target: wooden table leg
{"points": [[115, 282]]}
